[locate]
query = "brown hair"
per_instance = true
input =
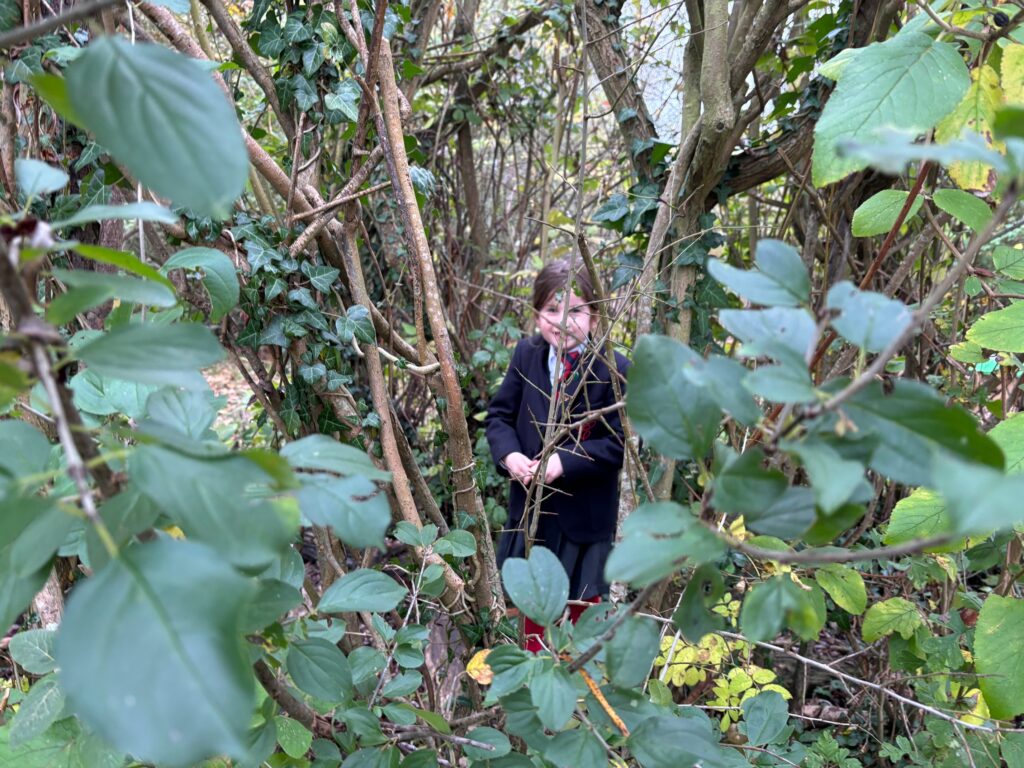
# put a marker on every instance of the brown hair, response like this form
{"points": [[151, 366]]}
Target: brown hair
{"points": [[555, 277]]}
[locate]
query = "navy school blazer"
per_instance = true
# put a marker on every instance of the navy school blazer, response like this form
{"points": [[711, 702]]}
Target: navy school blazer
{"points": [[586, 497]]}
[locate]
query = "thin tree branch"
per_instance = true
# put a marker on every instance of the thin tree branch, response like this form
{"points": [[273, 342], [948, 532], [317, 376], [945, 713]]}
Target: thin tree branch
{"points": [[50, 23]]}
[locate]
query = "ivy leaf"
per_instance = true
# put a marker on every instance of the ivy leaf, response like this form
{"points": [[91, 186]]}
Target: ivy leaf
{"points": [[191, 150], [893, 615], [870, 320], [908, 82], [678, 418], [167, 616], [362, 590], [344, 99], [356, 323], [613, 209], [997, 642], [320, 276], [878, 214], [845, 586], [218, 274], [538, 585], [780, 279]]}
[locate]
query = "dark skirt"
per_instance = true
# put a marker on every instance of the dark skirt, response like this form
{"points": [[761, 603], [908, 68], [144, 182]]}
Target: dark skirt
{"points": [[583, 562]]}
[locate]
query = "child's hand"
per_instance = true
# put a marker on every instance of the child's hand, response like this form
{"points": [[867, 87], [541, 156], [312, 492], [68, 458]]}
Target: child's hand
{"points": [[520, 467], [554, 469]]}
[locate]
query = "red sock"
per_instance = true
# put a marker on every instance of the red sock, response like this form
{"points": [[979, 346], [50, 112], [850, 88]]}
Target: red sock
{"points": [[575, 611]]}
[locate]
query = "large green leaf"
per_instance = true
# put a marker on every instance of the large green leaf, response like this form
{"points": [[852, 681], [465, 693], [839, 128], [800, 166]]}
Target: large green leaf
{"points": [[783, 333], [976, 115], [631, 651], [1001, 330], [575, 748], [212, 503], [64, 745], [154, 354], [32, 649], [25, 450], [979, 499], [673, 742], [778, 602], [554, 695], [324, 453], [1009, 261], [695, 617], [722, 379], [893, 615], [678, 418], [744, 485], [998, 639], [90, 289], [783, 383], [764, 717], [354, 507], [833, 478], [914, 423], [219, 276], [845, 586], [656, 539], [103, 395], [918, 516], [870, 320], [40, 709], [36, 178], [122, 259], [878, 214], [320, 669], [362, 590], [538, 585], [172, 684], [143, 211], [908, 82], [779, 280], [963, 206], [164, 118]]}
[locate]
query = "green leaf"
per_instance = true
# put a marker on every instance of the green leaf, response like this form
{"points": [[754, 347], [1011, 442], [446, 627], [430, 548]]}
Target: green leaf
{"points": [[964, 207], [324, 453], [574, 749], [154, 354], [64, 745], [26, 449], [976, 114], [354, 507], [345, 99], [845, 586], [362, 590], [893, 615], [1001, 330], [102, 396], [877, 215], [356, 323], [908, 82], [777, 602], [869, 320], [214, 506], [32, 649], [787, 517], [914, 423], [780, 279], [39, 710], [553, 694], [144, 211], [219, 277], [722, 379], [166, 120], [173, 684], [458, 543], [102, 286], [678, 418], [979, 499], [694, 617], [656, 538], [1000, 664], [1009, 261], [918, 516], [274, 599], [485, 735], [782, 333], [122, 259], [672, 742], [744, 485], [1013, 750], [833, 478], [36, 178], [320, 276], [764, 717], [782, 384], [538, 586], [320, 669], [32, 528], [293, 737], [631, 651], [615, 208]]}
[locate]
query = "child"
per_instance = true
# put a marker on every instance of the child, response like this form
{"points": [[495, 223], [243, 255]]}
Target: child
{"points": [[580, 493]]}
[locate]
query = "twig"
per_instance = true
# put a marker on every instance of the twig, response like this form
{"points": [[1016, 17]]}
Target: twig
{"points": [[823, 556], [41, 27], [580, 661]]}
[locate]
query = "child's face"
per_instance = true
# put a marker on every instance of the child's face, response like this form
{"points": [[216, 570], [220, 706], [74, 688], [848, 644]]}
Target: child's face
{"points": [[578, 324]]}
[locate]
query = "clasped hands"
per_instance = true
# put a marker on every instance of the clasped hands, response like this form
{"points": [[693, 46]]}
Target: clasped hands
{"points": [[526, 470]]}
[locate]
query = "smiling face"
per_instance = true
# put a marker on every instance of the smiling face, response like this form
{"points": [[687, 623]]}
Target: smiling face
{"points": [[578, 324]]}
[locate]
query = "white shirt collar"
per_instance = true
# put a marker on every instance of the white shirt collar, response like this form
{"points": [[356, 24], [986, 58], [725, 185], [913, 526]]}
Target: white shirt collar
{"points": [[555, 364]]}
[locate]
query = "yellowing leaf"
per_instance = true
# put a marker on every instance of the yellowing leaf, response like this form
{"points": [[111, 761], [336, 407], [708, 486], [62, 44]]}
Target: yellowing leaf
{"points": [[976, 112], [478, 669], [1013, 73]]}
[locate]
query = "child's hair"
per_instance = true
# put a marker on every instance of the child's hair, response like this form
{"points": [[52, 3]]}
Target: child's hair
{"points": [[555, 277]]}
